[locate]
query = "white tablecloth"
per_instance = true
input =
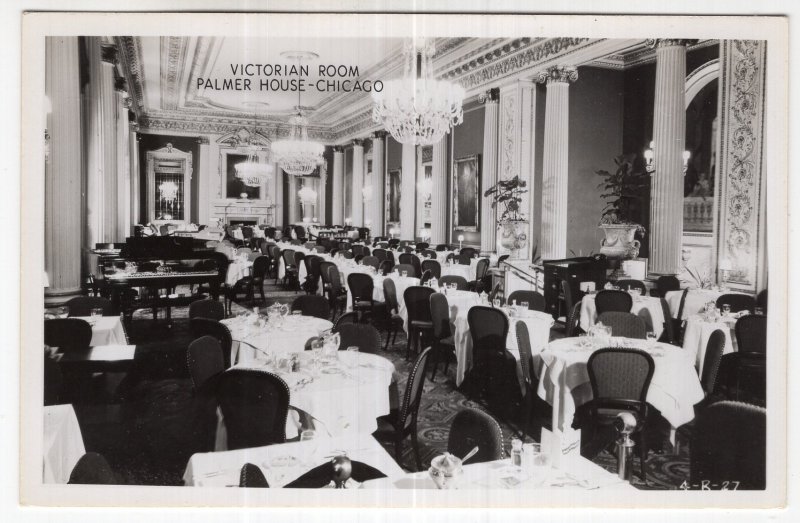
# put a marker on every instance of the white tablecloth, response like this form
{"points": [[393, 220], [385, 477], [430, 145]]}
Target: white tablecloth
{"points": [[62, 444], [696, 300], [106, 330], [564, 379], [345, 397], [249, 338], [237, 270], [538, 323], [698, 330], [401, 284], [282, 464], [654, 315]]}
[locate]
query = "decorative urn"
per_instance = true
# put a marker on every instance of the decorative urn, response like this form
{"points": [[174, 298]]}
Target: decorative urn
{"points": [[512, 238], [619, 241]]}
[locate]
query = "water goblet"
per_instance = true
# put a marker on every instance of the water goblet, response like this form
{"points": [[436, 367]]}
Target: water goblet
{"points": [[404, 274], [496, 303], [726, 309], [524, 305], [536, 462], [96, 313], [651, 338]]}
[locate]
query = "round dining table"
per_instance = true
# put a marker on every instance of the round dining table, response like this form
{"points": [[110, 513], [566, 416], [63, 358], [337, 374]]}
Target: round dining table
{"points": [[564, 377], [699, 329], [252, 336], [646, 307]]}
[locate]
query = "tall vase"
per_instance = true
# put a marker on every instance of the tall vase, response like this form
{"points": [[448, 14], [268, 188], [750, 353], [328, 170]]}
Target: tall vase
{"points": [[512, 239], [619, 241]]}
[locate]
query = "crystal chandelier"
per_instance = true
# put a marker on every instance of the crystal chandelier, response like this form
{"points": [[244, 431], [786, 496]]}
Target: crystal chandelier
{"points": [[298, 155], [251, 172], [307, 195], [416, 109]]}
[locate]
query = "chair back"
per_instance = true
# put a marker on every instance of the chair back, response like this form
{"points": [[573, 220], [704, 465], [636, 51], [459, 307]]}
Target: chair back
{"points": [[299, 256], [208, 308], [312, 305], [83, 305], [361, 286], [335, 278], [324, 273], [288, 258], [440, 315], [738, 302], [607, 300], [714, 349], [260, 266], [481, 267], [441, 247], [200, 327], [669, 335], [413, 395], [432, 265], [347, 255], [67, 333], [380, 254], [468, 252], [762, 299], [525, 354], [252, 477], [471, 428], [428, 253], [92, 469], [411, 259], [205, 361], [729, 444], [624, 324], [347, 317], [255, 405], [400, 267], [362, 335], [417, 300], [665, 284], [571, 294], [390, 294], [535, 300], [620, 375], [386, 267], [573, 327], [221, 260], [421, 246], [489, 329], [627, 284], [751, 333], [426, 277], [460, 281], [465, 257], [371, 261]]}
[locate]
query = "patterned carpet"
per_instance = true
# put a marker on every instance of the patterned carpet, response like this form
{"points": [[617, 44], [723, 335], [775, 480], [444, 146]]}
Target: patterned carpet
{"points": [[148, 424]]}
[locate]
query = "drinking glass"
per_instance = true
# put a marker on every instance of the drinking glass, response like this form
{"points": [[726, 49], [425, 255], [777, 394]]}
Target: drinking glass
{"points": [[96, 313], [310, 448], [297, 313], [726, 309], [496, 303], [453, 286], [651, 338], [524, 305], [352, 361], [404, 274], [535, 462]]}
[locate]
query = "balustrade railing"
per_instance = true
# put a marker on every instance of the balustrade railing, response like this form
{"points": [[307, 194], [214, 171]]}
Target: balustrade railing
{"points": [[698, 213]]}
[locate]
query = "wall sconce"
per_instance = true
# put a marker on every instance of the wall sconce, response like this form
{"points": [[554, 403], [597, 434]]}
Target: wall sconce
{"points": [[460, 241], [425, 233], [650, 164], [392, 232]]}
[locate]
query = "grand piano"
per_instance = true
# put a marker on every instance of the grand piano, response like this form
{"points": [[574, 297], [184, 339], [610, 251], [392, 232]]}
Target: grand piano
{"points": [[148, 271]]}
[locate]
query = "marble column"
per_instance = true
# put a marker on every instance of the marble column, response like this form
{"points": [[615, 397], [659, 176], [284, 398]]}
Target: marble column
{"points": [[669, 137], [101, 187], [133, 141], [377, 227], [439, 198], [408, 191], [123, 172], [555, 174], [322, 185], [203, 179], [357, 198], [293, 200], [489, 169], [337, 202], [62, 225], [278, 201]]}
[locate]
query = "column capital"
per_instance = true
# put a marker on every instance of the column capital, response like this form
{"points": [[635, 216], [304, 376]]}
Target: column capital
{"points": [[109, 53], [489, 96], [558, 74], [134, 125], [379, 135], [202, 140], [668, 42], [338, 149], [120, 85], [358, 142]]}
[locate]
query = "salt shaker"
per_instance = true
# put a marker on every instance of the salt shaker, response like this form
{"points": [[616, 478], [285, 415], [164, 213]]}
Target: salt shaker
{"points": [[516, 452]]}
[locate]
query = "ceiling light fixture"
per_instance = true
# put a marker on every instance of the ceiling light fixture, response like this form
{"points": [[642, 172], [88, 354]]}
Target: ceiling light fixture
{"points": [[252, 172], [417, 109], [298, 155]]}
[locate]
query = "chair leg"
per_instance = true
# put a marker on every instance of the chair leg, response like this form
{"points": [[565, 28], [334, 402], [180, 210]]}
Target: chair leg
{"points": [[415, 445], [408, 342]]}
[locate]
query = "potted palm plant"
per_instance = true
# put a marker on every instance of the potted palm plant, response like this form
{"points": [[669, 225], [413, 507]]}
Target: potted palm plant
{"points": [[512, 226], [622, 192]]}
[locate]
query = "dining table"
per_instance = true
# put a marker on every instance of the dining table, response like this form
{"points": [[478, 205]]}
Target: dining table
{"points": [[62, 444], [283, 463], [564, 378], [646, 307], [460, 302], [106, 330], [699, 328], [696, 300], [253, 335]]}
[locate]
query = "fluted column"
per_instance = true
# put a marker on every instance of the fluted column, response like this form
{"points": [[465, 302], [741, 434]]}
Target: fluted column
{"points": [[408, 188], [669, 137], [321, 186], [62, 224], [101, 186], [123, 173], [337, 213], [357, 207], [555, 175], [203, 175], [489, 169], [133, 141], [378, 184], [278, 202], [293, 200], [439, 192]]}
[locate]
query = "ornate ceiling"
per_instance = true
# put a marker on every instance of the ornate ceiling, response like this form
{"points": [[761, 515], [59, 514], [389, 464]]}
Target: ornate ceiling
{"points": [[163, 72]]}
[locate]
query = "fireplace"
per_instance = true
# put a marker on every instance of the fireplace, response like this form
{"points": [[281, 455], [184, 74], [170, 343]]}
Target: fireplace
{"points": [[242, 220]]}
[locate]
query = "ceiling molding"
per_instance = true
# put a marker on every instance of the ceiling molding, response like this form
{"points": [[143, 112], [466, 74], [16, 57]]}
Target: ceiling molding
{"points": [[639, 55], [130, 57]]}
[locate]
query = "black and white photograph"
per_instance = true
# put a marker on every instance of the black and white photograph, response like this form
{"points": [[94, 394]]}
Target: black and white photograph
{"points": [[244, 287]]}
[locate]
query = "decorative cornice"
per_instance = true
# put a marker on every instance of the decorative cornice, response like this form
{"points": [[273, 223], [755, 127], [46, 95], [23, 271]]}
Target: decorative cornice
{"points": [[558, 74], [109, 54], [173, 54], [489, 96], [357, 142], [120, 85], [640, 55], [202, 140], [668, 42], [131, 62], [379, 135], [338, 149]]}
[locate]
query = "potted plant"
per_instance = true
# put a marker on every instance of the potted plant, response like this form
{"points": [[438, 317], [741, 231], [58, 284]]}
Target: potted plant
{"points": [[622, 192], [512, 226]]}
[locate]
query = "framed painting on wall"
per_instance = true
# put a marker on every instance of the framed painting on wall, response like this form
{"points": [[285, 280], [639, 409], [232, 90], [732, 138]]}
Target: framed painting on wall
{"points": [[233, 186], [466, 193]]}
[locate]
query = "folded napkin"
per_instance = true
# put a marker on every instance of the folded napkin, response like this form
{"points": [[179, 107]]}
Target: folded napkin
{"points": [[322, 476]]}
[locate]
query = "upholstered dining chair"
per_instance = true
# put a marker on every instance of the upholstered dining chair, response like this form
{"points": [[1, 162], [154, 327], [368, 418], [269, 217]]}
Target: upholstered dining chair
{"points": [[337, 295], [394, 322], [534, 299], [411, 259], [460, 281], [751, 333], [312, 305], [737, 302], [361, 288], [83, 305], [251, 477], [361, 335], [624, 324], [475, 428], [665, 284], [420, 325], [711, 362], [434, 266], [207, 308], [67, 333], [92, 469], [408, 268], [608, 300], [528, 375], [443, 341]]}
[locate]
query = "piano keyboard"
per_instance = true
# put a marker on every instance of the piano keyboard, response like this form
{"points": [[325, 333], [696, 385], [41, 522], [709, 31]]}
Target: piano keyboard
{"points": [[150, 274]]}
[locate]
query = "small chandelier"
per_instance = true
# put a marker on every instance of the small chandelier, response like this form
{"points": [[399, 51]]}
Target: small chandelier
{"points": [[251, 172], [416, 109], [298, 155]]}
